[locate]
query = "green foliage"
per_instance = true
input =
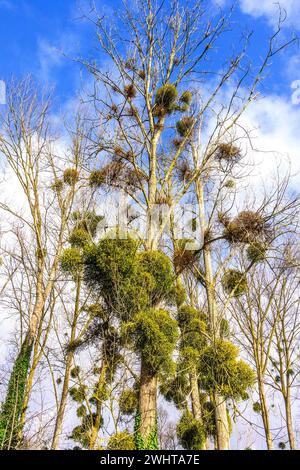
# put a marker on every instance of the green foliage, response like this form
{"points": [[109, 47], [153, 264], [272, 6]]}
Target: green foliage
{"points": [[192, 327], [71, 261], [228, 152], [78, 394], [79, 238], [100, 393], [209, 418], [90, 415], [189, 356], [111, 270], [139, 442], [192, 335], [142, 443], [257, 407], [185, 315], [247, 227], [87, 221], [96, 311], [121, 441], [190, 432], [222, 372], [132, 283], [161, 280], [128, 401], [81, 411], [154, 335], [72, 346], [82, 433], [12, 407], [230, 184], [179, 294], [57, 185], [75, 372], [128, 280], [97, 178], [71, 176], [185, 126], [130, 91], [175, 388], [234, 282], [85, 227], [183, 257], [186, 97], [165, 100], [192, 339], [256, 252], [224, 329]]}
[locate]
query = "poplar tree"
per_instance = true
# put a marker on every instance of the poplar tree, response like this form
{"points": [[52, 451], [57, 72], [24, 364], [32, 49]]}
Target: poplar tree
{"points": [[149, 104]]}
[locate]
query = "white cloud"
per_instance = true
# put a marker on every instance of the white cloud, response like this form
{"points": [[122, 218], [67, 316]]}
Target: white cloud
{"points": [[268, 135], [220, 3], [49, 57], [277, 122], [54, 54], [270, 10]]}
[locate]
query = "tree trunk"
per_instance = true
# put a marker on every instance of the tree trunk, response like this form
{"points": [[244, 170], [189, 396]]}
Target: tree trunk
{"points": [[148, 409], [28, 387], [265, 413], [196, 404], [152, 241], [41, 296], [222, 428], [222, 424], [63, 403], [289, 420], [146, 426], [13, 410], [69, 360], [12, 407], [36, 356]]}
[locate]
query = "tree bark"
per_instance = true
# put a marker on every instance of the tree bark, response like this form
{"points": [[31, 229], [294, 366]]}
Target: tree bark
{"points": [[148, 381], [12, 407], [265, 413], [69, 360], [195, 399], [289, 420], [222, 424], [62, 404], [147, 404]]}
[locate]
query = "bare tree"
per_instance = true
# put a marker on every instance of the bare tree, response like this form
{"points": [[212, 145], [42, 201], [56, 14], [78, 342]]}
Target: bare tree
{"points": [[47, 190], [154, 60]]}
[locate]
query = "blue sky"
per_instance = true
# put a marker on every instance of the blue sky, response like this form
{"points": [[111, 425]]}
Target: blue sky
{"points": [[34, 34]]}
